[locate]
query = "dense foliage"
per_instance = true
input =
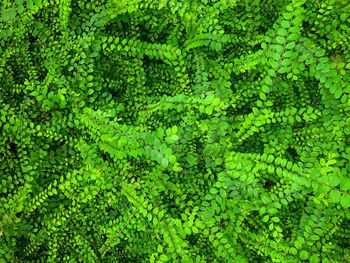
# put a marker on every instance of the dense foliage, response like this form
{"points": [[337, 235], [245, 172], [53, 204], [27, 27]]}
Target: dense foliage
{"points": [[174, 131]]}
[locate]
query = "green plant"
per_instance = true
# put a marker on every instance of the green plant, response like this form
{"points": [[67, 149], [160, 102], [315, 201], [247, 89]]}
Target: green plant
{"points": [[174, 131]]}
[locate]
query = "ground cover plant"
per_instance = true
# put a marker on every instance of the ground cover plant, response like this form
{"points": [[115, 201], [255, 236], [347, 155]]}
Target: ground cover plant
{"points": [[174, 131]]}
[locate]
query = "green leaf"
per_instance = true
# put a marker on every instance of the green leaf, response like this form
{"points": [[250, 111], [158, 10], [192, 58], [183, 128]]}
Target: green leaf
{"points": [[334, 180], [334, 196], [9, 14], [314, 258], [223, 193], [290, 45], [268, 80], [160, 248], [275, 219], [345, 200], [216, 102], [345, 184], [285, 24], [280, 40], [209, 110], [287, 16], [262, 95], [191, 160], [304, 255], [213, 191], [338, 93], [265, 89], [165, 162], [282, 32], [209, 100], [188, 231], [172, 159], [174, 137]]}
